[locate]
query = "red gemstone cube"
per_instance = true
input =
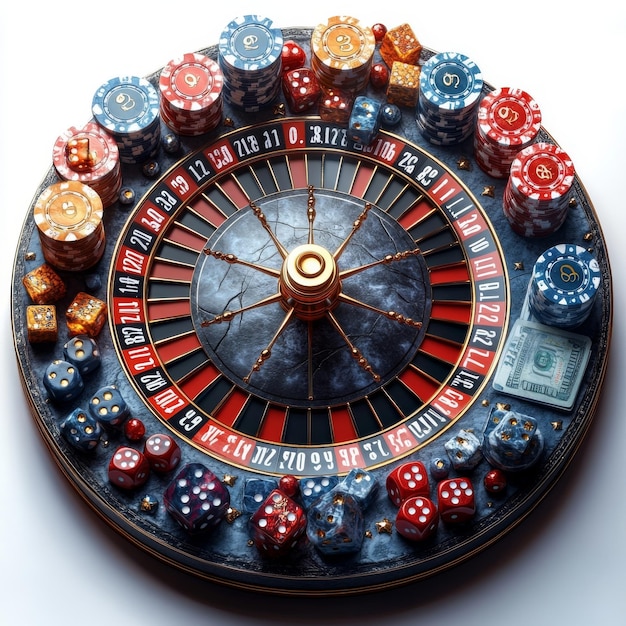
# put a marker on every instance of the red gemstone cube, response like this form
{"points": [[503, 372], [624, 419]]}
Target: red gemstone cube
{"points": [[335, 106], [409, 479], [128, 468], [162, 452], [293, 56], [278, 524], [456, 500], [417, 518], [301, 89]]}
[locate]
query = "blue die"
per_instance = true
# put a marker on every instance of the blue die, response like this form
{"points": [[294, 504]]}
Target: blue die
{"points": [[255, 492], [63, 381], [83, 352], [109, 407], [81, 430], [361, 485], [364, 122], [311, 489]]}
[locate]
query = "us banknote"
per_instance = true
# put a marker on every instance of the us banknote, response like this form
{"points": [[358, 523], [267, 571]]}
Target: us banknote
{"points": [[543, 364]]}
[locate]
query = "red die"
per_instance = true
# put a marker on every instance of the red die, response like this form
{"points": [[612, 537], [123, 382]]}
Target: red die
{"points": [[278, 524], [301, 89], [128, 468], [417, 518], [456, 500], [292, 56], [335, 106], [408, 479], [162, 452]]}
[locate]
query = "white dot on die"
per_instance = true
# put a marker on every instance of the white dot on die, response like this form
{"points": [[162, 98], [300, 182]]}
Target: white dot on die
{"points": [[412, 510], [422, 518], [262, 523]]}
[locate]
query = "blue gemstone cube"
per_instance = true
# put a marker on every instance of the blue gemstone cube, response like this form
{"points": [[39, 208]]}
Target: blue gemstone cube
{"points": [[364, 122], [255, 491], [313, 488], [361, 485]]}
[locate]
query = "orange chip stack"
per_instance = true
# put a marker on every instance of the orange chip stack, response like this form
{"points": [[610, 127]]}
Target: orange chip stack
{"points": [[400, 44]]}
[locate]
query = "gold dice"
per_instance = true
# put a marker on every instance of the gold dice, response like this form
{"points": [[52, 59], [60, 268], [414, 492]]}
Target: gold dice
{"points": [[86, 315], [41, 323], [44, 285]]}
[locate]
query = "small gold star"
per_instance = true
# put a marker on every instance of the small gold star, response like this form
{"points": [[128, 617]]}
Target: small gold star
{"points": [[485, 402], [232, 514], [250, 543], [503, 406], [368, 534], [588, 237], [572, 203], [489, 190], [557, 425], [228, 121], [148, 504], [489, 505], [384, 526], [30, 256], [463, 163], [518, 266], [229, 479], [279, 109]]}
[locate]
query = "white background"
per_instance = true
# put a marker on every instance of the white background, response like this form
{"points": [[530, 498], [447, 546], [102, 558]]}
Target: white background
{"points": [[563, 565]]}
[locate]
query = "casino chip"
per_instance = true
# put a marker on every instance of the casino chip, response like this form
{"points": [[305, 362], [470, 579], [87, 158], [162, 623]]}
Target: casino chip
{"points": [[536, 196], [342, 53], [89, 155], [250, 58], [508, 121], [191, 94], [128, 108], [68, 216], [450, 89], [563, 286]]}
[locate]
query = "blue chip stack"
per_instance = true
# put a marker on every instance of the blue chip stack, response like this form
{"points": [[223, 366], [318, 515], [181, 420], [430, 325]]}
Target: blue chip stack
{"points": [[250, 57], [563, 287], [128, 107], [450, 90]]}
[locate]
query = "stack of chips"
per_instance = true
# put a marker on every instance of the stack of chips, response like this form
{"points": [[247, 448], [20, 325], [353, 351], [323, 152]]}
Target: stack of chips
{"points": [[449, 94], [250, 58], [191, 94], [89, 155], [342, 52], [128, 108], [563, 287], [508, 121], [536, 197]]}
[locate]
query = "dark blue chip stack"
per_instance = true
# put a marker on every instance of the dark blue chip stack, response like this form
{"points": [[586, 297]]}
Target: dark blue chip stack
{"points": [[450, 90], [128, 107], [563, 287], [250, 57]]}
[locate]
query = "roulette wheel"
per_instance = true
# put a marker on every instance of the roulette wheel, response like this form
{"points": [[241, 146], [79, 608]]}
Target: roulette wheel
{"points": [[310, 373]]}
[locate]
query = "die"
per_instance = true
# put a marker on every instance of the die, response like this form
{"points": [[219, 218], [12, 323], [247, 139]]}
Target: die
{"points": [[400, 44], [81, 430], [63, 381], [278, 525], [364, 122], [255, 492], [464, 450], [44, 285], [41, 323], [312, 488], [361, 485], [292, 56], [404, 84], [196, 499], [128, 468], [455, 497], [408, 479], [86, 315], [83, 352], [335, 106], [515, 444], [109, 407], [162, 452], [335, 524], [301, 89], [417, 518]]}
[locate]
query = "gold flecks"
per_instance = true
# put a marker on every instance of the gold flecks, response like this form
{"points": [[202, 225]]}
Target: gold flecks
{"points": [[503, 406], [489, 190], [148, 504], [485, 402], [518, 266], [279, 109], [384, 526], [573, 203], [489, 504], [229, 480], [250, 543], [105, 443], [588, 237], [232, 514], [464, 163], [368, 534], [228, 121], [557, 425], [30, 256]]}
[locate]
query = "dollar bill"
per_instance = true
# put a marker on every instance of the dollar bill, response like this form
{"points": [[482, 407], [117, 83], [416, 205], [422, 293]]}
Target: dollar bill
{"points": [[542, 364]]}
